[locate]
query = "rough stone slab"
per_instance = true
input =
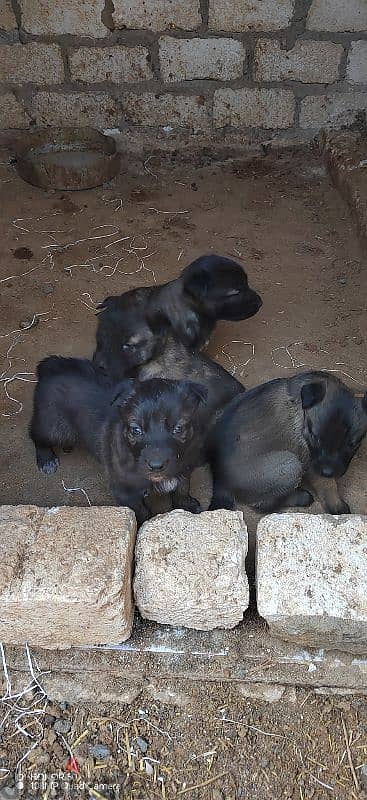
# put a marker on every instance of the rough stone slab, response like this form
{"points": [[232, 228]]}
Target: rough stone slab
{"points": [[171, 110], [96, 109], [263, 108], [90, 688], [31, 63], [157, 16], [332, 110], [250, 15], [357, 62], [312, 579], [190, 569], [47, 17], [117, 64], [12, 113], [7, 16], [337, 15], [66, 575], [190, 59], [307, 61], [346, 160]]}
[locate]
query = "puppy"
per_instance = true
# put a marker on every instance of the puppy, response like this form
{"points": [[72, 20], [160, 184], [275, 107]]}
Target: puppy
{"points": [[282, 436], [146, 435], [129, 326]]}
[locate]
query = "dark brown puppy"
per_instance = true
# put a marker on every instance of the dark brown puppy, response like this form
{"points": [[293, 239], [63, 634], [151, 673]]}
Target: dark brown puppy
{"points": [[129, 330], [146, 435], [282, 436]]}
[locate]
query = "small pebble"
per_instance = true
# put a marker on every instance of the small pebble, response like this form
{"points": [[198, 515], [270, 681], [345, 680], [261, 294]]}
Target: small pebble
{"points": [[47, 288], [23, 253], [100, 751], [142, 744], [62, 726], [364, 776], [28, 322]]}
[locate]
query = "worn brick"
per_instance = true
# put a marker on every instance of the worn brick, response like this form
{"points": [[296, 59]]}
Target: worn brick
{"points": [[190, 569], [7, 16], [187, 59], [12, 114], [31, 63], [157, 16], [307, 61], [312, 579], [263, 108], [116, 64], [248, 15], [357, 63], [188, 111], [82, 18], [331, 110], [66, 594], [75, 108], [337, 15]]}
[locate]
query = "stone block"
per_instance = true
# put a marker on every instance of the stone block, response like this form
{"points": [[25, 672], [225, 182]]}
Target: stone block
{"points": [[332, 110], [190, 569], [96, 109], [357, 62], [31, 63], [117, 64], [47, 17], [66, 575], [337, 15], [170, 110], [157, 16], [7, 16], [307, 61], [250, 15], [190, 59], [12, 113], [251, 108], [312, 579]]}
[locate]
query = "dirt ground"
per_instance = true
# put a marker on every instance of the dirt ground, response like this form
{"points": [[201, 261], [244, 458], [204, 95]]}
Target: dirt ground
{"points": [[61, 255]]}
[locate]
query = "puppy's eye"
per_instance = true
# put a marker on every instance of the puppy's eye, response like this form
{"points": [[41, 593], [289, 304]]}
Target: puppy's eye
{"points": [[135, 429], [126, 346], [179, 429]]}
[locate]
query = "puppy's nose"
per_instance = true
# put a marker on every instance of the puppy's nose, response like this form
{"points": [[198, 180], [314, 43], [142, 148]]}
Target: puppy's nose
{"points": [[327, 471], [156, 463]]}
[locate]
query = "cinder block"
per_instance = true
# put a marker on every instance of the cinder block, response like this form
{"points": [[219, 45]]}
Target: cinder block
{"points": [[31, 63], [12, 113], [48, 17], [331, 110], [263, 108], [66, 575], [117, 64], [7, 16], [97, 109], [250, 15], [173, 110], [157, 15], [307, 61], [357, 62], [312, 579], [190, 59], [190, 569], [337, 15]]}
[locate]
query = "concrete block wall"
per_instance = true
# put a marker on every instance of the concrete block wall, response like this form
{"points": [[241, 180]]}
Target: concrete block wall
{"points": [[208, 70]]}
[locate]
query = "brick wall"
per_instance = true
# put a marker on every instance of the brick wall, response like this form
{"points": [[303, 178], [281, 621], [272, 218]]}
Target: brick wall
{"points": [[204, 70]]}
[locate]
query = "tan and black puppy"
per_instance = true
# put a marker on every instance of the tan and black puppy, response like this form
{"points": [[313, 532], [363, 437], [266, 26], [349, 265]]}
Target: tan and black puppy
{"points": [[280, 439], [147, 435], [131, 327]]}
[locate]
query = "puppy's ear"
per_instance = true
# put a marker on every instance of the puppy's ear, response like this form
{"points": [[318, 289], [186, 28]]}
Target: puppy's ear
{"points": [[196, 391], [312, 393], [198, 285], [123, 391]]}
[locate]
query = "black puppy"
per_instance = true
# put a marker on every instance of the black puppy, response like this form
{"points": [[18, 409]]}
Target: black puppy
{"points": [[129, 330], [146, 435], [283, 436]]}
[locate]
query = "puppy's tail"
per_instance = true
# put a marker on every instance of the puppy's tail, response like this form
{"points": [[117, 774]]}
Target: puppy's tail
{"points": [[58, 365]]}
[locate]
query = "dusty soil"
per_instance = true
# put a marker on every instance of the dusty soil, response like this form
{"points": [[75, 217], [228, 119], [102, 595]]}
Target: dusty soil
{"points": [[61, 254]]}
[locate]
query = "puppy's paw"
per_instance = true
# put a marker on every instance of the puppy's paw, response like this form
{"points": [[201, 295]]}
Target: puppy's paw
{"points": [[47, 461], [189, 504], [339, 508]]}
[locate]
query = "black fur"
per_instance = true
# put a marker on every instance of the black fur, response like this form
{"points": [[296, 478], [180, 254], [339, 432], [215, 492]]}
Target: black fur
{"points": [[147, 435], [277, 440], [132, 327]]}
